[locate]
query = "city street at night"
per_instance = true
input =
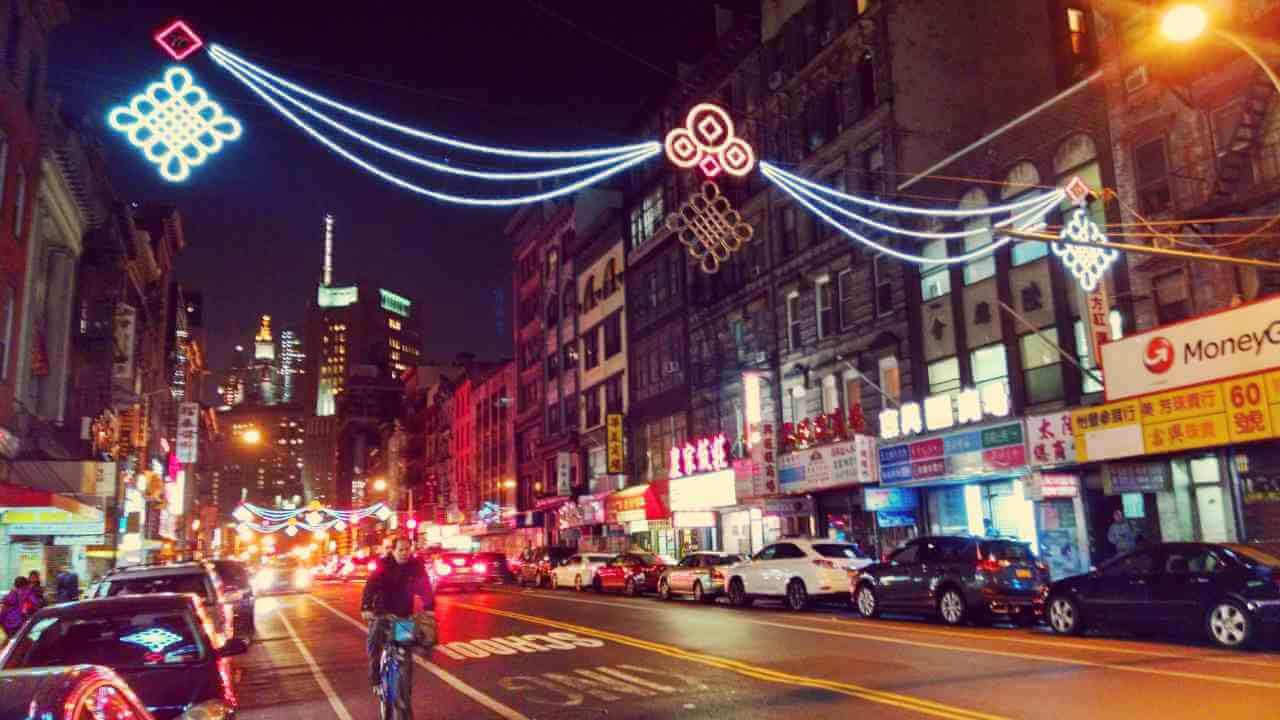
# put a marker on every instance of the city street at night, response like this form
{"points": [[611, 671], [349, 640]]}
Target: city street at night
{"points": [[523, 653]]}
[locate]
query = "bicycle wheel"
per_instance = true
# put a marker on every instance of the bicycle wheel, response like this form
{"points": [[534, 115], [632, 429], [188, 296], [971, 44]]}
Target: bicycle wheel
{"points": [[396, 702]]}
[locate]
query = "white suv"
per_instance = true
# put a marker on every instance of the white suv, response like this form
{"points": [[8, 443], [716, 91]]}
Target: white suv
{"points": [[795, 571]]}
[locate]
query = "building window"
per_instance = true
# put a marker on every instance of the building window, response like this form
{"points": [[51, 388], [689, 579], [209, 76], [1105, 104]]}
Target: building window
{"points": [[613, 335], [591, 348], [944, 375], [1173, 299], [826, 297], [883, 286], [570, 357], [847, 306], [553, 365], [1041, 365], [793, 321], [393, 323], [1026, 252], [1090, 381], [645, 219], [569, 296], [553, 309], [788, 235], [983, 267], [1151, 166], [613, 394], [990, 365], [19, 204], [1076, 30], [592, 398], [589, 294], [890, 377], [610, 277], [830, 394], [935, 280]]}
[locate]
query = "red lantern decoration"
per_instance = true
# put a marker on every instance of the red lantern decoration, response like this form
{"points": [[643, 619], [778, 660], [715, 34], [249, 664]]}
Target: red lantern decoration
{"points": [[857, 423]]}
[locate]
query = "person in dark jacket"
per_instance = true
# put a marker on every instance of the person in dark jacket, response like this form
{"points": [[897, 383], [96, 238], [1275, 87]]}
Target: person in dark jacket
{"points": [[66, 587], [390, 590], [37, 589]]}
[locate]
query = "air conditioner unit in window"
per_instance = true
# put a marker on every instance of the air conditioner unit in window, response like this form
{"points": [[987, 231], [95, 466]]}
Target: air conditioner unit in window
{"points": [[670, 367], [775, 79], [1136, 79]]}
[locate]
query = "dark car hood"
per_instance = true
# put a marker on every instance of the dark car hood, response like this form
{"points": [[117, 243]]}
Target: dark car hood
{"points": [[168, 692]]}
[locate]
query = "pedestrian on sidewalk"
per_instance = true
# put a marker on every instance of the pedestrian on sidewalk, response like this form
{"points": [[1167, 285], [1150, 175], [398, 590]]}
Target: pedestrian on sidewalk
{"points": [[66, 587], [1121, 534], [18, 605], [37, 589]]}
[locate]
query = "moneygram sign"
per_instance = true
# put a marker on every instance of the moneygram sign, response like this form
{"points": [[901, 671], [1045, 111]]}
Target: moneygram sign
{"points": [[1212, 347]]}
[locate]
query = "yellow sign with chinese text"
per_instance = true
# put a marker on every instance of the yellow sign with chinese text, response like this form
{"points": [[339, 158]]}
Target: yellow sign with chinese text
{"points": [[613, 440], [1243, 409]]}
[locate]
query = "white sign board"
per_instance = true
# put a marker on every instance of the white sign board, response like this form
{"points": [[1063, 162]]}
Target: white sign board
{"points": [[125, 331], [704, 492], [828, 466], [1211, 347], [1050, 440], [188, 432]]}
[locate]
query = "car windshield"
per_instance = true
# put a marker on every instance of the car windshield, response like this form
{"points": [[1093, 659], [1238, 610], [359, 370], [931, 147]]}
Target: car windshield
{"points": [[124, 640], [1250, 555], [191, 583], [599, 558], [723, 559], [232, 574], [837, 550], [645, 558], [1007, 550]]}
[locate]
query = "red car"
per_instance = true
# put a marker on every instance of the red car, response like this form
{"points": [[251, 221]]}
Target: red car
{"points": [[632, 573]]}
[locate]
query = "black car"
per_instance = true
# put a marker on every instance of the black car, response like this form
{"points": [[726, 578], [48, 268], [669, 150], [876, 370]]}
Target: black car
{"points": [[536, 564], [237, 589], [160, 644], [956, 578], [1227, 591]]}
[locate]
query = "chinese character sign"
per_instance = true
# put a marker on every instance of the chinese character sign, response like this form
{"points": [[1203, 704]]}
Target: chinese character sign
{"points": [[704, 455], [613, 426], [1050, 439], [188, 432], [940, 412]]}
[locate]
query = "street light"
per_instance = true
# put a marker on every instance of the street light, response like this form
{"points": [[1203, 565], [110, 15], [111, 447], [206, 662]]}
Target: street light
{"points": [[379, 485], [1186, 22], [252, 436]]}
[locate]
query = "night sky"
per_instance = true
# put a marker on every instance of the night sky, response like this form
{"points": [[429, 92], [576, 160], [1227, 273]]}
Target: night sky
{"points": [[508, 73]]}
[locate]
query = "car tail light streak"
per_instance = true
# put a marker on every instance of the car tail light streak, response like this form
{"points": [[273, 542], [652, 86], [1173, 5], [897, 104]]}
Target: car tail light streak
{"points": [[443, 568], [479, 567]]}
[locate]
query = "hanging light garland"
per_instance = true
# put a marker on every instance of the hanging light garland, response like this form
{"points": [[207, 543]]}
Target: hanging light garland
{"points": [[314, 518]]}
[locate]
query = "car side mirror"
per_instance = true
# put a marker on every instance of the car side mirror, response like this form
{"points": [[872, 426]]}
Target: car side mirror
{"points": [[234, 646]]}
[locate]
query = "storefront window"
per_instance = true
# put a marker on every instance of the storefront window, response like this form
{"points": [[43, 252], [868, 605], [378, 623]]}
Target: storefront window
{"points": [[1042, 366], [1258, 466]]}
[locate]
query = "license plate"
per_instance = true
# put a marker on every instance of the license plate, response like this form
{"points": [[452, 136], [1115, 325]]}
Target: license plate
{"points": [[1023, 573], [465, 570]]}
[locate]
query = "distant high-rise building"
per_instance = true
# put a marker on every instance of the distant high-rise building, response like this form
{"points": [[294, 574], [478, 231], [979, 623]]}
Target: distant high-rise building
{"points": [[289, 361], [231, 389], [264, 378]]}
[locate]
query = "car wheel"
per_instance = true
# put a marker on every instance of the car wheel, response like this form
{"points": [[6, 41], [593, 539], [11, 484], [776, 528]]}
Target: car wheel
{"points": [[1229, 625], [1064, 616], [577, 583], [633, 590], [867, 602], [555, 581], [797, 596], [699, 595], [664, 589], [738, 594], [951, 607], [597, 585]]}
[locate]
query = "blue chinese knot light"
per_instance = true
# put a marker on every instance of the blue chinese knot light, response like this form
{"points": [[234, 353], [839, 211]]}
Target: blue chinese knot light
{"points": [[175, 124]]}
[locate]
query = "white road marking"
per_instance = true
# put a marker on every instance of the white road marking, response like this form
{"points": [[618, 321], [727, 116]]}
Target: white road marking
{"points": [[516, 644], [449, 679], [338, 708]]}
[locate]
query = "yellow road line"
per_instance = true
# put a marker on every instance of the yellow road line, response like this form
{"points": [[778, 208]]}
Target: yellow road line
{"points": [[906, 702], [1101, 648]]}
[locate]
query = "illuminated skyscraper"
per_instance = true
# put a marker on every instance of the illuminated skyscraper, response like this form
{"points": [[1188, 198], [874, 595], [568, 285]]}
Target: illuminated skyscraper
{"points": [[289, 362]]}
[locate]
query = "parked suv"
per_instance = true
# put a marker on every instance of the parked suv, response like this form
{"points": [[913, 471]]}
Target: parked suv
{"points": [[957, 578], [536, 564], [795, 571], [237, 586], [195, 578]]}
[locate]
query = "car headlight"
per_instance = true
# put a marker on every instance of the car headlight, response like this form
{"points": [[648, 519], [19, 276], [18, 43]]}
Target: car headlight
{"points": [[265, 578], [301, 578]]}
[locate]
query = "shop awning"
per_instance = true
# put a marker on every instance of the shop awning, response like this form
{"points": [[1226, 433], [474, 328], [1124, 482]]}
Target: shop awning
{"points": [[17, 497], [655, 500]]}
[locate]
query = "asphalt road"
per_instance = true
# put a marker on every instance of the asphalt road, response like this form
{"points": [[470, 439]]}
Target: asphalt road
{"points": [[513, 653]]}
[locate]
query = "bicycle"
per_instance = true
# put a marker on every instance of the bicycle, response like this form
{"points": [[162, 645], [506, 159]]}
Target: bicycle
{"points": [[395, 690]]}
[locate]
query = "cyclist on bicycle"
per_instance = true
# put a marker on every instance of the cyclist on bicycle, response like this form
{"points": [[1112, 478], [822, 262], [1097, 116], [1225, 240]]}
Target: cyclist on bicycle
{"points": [[390, 591]]}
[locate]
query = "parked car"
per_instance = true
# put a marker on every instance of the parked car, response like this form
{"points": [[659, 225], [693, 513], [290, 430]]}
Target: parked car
{"points": [[190, 577], [458, 570], [700, 574], [578, 571], [633, 573], [237, 587], [795, 571], [956, 578], [74, 692], [496, 570], [536, 564], [1229, 592], [161, 644]]}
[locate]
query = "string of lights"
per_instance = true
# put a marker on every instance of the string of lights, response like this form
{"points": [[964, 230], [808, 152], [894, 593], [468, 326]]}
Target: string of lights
{"points": [[427, 162], [222, 55], [568, 189], [808, 198]]}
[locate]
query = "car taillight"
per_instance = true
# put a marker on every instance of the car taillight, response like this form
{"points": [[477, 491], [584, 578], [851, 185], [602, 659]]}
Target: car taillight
{"points": [[479, 567], [992, 565], [820, 562], [716, 574], [443, 568], [373, 566]]}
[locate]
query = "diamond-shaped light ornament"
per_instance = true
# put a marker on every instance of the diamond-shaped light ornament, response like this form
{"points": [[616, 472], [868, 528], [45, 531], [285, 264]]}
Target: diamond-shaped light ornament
{"points": [[175, 124], [1087, 264], [382, 513], [178, 40], [154, 639]]}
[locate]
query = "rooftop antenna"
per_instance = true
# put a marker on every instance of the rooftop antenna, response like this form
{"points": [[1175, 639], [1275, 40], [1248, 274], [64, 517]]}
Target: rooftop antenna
{"points": [[328, 249]]}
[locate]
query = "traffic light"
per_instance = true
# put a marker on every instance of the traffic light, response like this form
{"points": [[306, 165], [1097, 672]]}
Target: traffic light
{"points": [[412, 524]]}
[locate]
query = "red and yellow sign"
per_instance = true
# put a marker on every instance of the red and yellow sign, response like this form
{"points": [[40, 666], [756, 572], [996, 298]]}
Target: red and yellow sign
{"points": [[1239, 410]]}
